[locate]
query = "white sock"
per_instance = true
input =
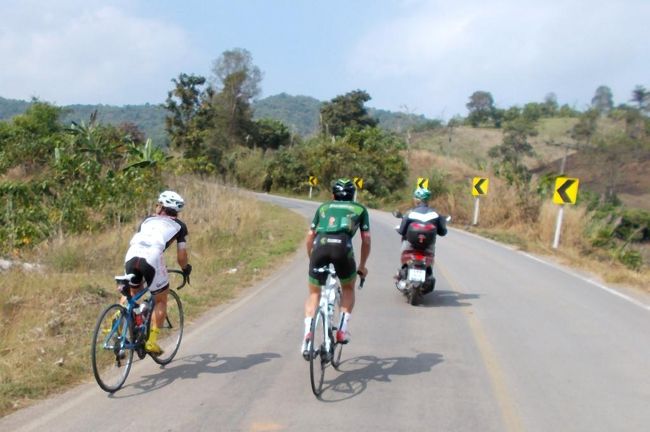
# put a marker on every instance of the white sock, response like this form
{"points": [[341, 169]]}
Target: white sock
{"points": [[307, 325], [343, 324]]}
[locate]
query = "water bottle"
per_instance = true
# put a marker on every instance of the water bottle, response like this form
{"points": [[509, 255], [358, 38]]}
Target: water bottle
{"points": [[137, 315]]}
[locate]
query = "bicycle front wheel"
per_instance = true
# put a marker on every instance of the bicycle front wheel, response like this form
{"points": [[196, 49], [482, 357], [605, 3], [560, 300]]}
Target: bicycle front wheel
{"points": [[111, 361], [317, 352], [171, 331]]}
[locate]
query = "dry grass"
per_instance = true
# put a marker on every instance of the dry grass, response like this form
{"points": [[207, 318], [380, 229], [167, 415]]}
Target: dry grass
{"points": [[47, 317], [504, 216]]}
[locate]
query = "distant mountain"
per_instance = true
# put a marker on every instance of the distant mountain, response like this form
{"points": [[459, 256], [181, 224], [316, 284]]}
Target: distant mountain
{"points": [[11, 107], [299, 113], [149, 118]]}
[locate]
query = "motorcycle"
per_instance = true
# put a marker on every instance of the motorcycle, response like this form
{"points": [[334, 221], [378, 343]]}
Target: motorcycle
{"points": [[415, 277]]}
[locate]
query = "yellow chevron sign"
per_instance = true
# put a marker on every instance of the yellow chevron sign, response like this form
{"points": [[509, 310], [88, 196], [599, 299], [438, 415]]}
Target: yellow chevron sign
{"points": [[566, 190], [313, 180], [423, 182], [480, 186], [358, 182]]}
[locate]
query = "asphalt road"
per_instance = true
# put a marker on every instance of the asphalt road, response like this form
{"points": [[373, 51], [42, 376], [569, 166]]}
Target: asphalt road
{"points": [[507, 342]]}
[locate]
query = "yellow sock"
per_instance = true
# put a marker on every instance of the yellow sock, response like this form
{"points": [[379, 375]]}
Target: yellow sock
{"points": [[153, 334]]}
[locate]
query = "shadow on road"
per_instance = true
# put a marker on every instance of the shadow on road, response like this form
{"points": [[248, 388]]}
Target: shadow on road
{"points": [[191, 367], [447, 299], [357, 372]]}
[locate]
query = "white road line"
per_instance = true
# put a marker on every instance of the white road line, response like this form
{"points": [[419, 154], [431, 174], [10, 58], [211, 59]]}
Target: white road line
{"points": [[591, 281]]}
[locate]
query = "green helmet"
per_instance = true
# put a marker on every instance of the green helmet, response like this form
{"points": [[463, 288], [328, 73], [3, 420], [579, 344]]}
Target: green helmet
{"points": [[422, 194]]}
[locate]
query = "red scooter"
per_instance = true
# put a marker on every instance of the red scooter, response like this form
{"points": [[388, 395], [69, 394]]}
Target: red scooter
{"points": [[415, 277]]}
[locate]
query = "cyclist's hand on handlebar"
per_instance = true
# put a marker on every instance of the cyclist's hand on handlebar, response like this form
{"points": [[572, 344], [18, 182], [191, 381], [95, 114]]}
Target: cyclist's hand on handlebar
{"points": [[187, 270], [362, 279]]}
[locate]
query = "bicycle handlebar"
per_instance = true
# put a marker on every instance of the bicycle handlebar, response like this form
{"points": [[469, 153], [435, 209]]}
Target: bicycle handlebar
{"points": [[186, 279]]}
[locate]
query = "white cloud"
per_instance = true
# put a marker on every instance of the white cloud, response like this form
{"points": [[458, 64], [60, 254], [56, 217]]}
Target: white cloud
{"points": [[88, 52], [518, 50]]}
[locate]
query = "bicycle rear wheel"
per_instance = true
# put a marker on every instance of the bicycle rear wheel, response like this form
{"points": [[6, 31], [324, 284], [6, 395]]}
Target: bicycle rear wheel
{"points": [[171, 331], [317, 353], [110, 360]]}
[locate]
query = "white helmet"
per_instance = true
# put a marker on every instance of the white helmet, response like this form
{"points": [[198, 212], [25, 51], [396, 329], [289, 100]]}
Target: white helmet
{"points": [[171, 200]]}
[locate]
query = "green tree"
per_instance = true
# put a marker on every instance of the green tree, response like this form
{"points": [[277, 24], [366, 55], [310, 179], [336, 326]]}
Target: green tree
{"points": [[550, 105], [345, 111], [28, 142], [603, 101], [584, 130], [237, 82], [480, 107], [189, 114], [270, 134], [641, 97], [514, 148]]}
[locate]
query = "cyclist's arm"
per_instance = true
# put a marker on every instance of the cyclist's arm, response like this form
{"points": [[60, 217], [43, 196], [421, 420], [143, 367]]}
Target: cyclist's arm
{"points": [[181, 255], [309, 241], [365, 251]]}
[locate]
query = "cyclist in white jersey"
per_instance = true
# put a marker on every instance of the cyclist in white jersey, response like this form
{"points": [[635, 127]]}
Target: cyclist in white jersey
{"points": [[145, 260]]}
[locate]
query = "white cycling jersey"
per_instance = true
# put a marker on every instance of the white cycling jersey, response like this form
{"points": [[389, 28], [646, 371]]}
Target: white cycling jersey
{"points": [[155, 234]]}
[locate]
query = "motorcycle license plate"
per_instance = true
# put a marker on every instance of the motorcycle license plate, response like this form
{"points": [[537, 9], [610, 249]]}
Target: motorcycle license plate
{"points": [[417, 275]]}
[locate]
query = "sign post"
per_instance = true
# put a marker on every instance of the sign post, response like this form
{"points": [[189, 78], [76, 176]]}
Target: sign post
{"points": [[479, 187], [313, 181], [566, 192], [358, 184]]}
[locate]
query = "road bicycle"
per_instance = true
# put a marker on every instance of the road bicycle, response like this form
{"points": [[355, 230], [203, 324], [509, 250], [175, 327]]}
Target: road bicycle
{"points": [[322, 346], [122, 330]]}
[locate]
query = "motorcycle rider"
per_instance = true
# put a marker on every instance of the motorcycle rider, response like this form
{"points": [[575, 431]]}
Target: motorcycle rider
{"points": [[421, 212]]}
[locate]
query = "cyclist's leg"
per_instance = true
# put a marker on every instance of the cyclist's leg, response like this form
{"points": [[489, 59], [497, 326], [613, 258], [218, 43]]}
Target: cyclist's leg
{"points": [[158, 282], [319, 257], [346, 268]]}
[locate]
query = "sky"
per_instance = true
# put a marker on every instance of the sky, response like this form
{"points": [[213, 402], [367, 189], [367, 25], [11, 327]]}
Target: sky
{"points": [[418, 56]]}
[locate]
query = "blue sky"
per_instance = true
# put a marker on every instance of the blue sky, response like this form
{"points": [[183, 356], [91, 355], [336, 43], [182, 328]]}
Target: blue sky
{"points": [[420, 56]]}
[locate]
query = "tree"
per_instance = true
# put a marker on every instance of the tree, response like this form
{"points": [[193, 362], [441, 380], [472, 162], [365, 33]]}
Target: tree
{"points": [[603, 100], [480, 107], [270, 134], [642, 97], [585, 129], [550, 105], [189, 115], [236, 81], [513, 149], [345, 111]]}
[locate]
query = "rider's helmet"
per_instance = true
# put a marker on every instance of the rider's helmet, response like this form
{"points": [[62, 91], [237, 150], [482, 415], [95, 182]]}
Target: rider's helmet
{"points": [[343, 190], [422, 194], [171, 200]]}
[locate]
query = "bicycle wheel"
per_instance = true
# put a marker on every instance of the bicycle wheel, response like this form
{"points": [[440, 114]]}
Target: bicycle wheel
{"points": [[111, 361], [171, 331], [317, 353]]}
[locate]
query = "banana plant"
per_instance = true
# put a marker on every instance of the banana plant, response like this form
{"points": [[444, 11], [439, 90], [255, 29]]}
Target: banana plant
{"points": [[146, 156]]}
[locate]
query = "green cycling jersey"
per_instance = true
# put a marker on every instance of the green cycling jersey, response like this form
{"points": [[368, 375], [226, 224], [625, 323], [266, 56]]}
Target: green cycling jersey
{"points": [[334, 217]]}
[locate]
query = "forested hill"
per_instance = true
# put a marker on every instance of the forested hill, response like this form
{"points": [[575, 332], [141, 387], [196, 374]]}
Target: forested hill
{"points": [[299, 113], [149, 118]]}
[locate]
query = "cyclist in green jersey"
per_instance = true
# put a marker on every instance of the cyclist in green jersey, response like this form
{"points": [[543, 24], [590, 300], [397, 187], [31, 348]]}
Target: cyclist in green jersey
{"points": [[330, 241]]}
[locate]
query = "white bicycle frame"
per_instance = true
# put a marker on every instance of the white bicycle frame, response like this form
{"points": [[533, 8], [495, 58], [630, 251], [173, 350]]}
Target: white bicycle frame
{"points": [[329, 296]]}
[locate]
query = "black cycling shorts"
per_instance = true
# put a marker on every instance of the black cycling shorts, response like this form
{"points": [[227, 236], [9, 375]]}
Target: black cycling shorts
{"points": [[141, 269], [335, 249]]}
